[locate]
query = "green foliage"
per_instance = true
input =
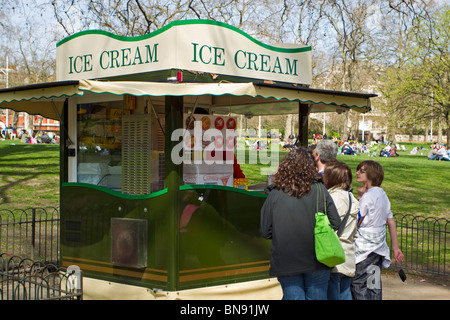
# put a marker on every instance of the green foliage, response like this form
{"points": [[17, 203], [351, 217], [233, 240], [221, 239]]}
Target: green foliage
{"points": [[419, 90]]}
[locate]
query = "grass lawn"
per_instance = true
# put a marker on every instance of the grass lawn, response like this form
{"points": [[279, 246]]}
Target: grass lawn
{"points": [[413, 184], [29, 177]]}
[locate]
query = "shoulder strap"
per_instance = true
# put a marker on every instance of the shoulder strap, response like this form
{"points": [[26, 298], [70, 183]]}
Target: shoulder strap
{"points": [[319, 194], [344, 222]]}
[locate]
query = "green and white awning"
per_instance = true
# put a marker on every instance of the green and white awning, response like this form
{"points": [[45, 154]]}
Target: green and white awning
{"points": [[241, 98]]}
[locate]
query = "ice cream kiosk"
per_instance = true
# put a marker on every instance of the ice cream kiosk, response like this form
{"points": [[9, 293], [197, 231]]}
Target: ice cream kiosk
{"points": [[149, 202]]}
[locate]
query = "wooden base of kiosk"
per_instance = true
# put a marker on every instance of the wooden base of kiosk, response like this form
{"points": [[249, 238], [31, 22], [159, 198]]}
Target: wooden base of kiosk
{"points": [[267, 289]]}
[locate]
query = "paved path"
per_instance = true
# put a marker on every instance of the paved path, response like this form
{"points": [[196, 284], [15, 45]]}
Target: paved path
{"points": [[414, 288]]}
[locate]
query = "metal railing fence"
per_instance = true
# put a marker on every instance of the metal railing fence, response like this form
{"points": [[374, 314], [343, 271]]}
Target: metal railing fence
{"points": [[425, 243], [35, 233], [32, 233], [25, 279]]}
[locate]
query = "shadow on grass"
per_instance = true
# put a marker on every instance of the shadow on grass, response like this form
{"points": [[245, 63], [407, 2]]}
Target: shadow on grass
{"points": [[4, 198], [22, 163]]}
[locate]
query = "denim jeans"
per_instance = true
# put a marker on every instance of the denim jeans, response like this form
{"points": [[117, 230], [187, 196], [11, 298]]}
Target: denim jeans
{"points": [[339, 287], [306, 286]]}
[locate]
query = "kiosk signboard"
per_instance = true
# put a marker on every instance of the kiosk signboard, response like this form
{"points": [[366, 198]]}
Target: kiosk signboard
{"points": [[194, 45]]}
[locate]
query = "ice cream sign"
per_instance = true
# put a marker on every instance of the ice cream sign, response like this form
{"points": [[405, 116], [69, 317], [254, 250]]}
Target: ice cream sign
{"points": [[194, 45]]}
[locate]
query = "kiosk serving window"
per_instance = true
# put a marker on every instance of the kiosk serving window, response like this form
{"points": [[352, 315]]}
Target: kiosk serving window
{"points": [[119, 147]]}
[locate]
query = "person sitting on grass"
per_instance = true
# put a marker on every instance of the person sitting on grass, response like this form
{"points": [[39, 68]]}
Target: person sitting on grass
{"points": [[384, 153], [433, 154], [348, 150], [393, 152], [443, 153], [414, 151]]}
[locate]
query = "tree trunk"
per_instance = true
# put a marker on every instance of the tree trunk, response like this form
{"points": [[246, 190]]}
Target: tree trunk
{"points": [[345, 128], [447, 120], [288, 131]]}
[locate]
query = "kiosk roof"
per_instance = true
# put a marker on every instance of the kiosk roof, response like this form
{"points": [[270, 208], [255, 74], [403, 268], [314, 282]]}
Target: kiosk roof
{"points": [[252, 98]]}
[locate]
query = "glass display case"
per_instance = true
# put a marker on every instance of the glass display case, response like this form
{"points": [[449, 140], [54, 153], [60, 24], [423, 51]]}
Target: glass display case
{"points": [[120, 148], [99, 135]]}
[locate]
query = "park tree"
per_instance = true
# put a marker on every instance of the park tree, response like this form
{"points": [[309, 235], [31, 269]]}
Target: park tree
{"points": [[417, 91], [353, 49], [31, 56], [270, 21], [354, 42], [138, 17]]}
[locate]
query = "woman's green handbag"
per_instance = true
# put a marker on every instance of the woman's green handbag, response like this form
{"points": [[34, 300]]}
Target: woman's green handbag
{"points": [[329, 250]]}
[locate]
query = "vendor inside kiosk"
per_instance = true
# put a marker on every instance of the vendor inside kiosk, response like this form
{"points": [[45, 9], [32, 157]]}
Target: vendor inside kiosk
{"points": [[151, 193]]}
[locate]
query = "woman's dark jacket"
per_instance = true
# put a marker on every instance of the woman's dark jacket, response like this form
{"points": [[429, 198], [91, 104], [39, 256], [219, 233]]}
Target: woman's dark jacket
{"points": [[289, 222]]}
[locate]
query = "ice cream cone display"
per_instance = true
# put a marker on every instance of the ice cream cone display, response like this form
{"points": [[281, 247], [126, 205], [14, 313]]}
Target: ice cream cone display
{"points": [[217, 148], [241, 183]]}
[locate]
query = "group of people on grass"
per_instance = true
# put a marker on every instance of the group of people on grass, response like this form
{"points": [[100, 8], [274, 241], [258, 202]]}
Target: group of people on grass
{"points": [[439, 152], [35, 137], [374, 148], [288, 219]]}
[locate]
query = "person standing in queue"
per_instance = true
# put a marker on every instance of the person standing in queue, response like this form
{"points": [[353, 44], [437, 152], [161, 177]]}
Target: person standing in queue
{"points": [[338, 180], [325, 152], [371, 249], [288, 219]]}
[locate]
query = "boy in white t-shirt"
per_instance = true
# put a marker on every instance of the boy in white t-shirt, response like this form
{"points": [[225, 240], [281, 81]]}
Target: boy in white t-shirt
{"points": [[371, 249]]}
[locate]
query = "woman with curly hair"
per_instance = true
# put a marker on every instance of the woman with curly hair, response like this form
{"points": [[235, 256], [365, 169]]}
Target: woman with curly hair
{"points": [[288, 219]]}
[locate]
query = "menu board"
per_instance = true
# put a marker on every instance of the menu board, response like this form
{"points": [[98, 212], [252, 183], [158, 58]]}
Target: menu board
{"points": [[209, 144]]}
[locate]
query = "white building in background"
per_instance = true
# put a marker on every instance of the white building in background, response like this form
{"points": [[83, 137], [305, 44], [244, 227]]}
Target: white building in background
{"points": [[27, 122]]}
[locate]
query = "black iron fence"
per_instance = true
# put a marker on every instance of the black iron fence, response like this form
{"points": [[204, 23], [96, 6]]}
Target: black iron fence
{"points": [[425, 243], [25, 279], [34, 233]]}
